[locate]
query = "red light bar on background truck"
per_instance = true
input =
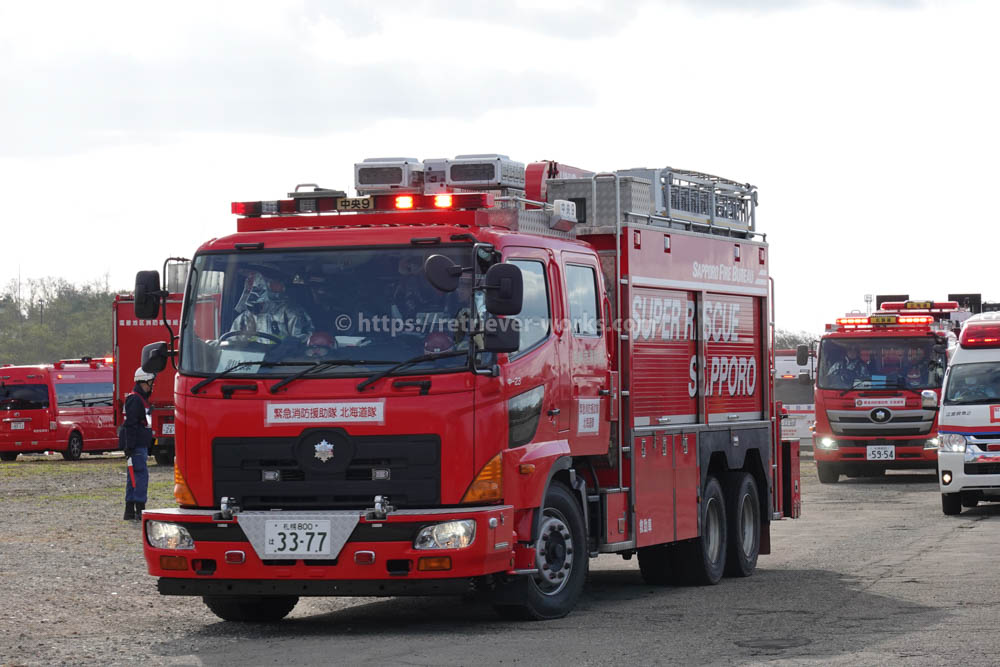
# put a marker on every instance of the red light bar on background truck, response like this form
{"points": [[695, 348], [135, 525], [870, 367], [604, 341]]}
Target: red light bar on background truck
{"points": [[933, 306], [414, 202]]}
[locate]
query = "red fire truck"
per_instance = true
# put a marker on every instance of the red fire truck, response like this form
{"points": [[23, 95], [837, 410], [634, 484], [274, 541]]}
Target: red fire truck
{"points": [[130, 335], [869, 416], [472, 377], [64, 407]]}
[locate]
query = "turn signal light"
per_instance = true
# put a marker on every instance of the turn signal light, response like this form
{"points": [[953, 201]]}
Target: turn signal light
{"points": [[173, 563], [182, 492], [434, 563], [488, 485]]}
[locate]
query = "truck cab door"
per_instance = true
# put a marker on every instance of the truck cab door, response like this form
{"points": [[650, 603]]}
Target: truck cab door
{"points": [[588, 363], [538, 365]]}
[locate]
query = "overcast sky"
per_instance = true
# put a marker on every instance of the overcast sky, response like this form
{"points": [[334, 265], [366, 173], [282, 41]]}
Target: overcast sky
{"points": [[869, 127]]}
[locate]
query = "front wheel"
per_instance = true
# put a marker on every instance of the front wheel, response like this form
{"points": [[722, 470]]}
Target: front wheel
{"points": [[251, 608], [951, 503], [561, 560], [828, 473], [8, 456], [74, 448]]}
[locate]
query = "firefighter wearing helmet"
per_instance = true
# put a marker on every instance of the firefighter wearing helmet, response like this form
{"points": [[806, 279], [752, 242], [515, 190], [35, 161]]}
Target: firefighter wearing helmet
{"points": [[135, 438], [264, 309], [851, 368]]}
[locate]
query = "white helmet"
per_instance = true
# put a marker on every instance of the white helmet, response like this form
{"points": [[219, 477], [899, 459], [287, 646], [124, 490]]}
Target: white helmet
{"points": [[143, 376]]}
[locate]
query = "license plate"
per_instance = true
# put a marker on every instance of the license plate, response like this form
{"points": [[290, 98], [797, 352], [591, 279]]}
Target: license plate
{"points": [[355, 204], [17, 426], [168, 429], [881, 453], [306, 537]]}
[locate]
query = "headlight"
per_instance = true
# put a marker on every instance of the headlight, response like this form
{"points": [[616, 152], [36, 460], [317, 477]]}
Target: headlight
{"points": [[827, 443], [932, 443], [164, 535], [952, 442], [450, 535]]}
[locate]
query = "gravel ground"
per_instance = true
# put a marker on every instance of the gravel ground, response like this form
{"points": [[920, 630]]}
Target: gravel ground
{"points": [[872, 574]]}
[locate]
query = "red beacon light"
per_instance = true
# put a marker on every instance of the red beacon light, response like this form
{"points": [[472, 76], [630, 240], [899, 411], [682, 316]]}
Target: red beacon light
{"points": [[915, 319], [981, 335], [852, 321]]}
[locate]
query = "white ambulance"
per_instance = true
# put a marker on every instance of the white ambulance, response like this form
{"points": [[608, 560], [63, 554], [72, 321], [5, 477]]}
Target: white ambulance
{"points": [[969, 421]]}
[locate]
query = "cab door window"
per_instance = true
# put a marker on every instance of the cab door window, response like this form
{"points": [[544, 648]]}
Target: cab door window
{"points": [[535, 314], [581, 288]]}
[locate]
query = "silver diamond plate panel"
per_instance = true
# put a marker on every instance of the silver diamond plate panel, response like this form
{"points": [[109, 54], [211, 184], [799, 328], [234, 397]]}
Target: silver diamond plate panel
{"points": [[635, 197], [342, 524]]}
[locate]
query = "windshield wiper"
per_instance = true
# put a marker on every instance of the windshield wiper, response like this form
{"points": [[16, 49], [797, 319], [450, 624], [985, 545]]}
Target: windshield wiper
{"points": [[320, 365], [265, 364], [409, 362]]}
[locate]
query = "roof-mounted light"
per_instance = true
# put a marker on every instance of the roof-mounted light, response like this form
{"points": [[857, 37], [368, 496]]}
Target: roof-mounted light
{"points": [[388, 174], [852, 321], [980, 335], [915, 319], [939, 306], [484, 171]]}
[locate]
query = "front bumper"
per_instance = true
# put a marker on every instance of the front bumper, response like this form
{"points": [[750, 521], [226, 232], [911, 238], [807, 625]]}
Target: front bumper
{"points": [[972, 470], [855, 452], [377, 558]]}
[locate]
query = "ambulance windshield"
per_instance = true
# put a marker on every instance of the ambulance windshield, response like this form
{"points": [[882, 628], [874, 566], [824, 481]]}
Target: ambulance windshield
{"points": [[275, 313], [969, 384], [880, 363]]}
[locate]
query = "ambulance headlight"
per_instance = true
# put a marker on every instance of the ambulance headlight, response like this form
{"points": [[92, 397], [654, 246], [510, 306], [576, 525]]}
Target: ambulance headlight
{"points": [[952, 442], [450, 535], [827, 443], [162, 535]]}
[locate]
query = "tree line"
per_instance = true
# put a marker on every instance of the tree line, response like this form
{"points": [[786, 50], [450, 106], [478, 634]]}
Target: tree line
{"points": [[46, 319]]}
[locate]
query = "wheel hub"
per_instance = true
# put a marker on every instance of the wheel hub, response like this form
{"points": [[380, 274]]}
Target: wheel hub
{"points": [[554, 553]]}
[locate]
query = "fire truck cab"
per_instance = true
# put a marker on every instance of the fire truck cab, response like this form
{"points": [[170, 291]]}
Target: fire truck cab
{"points": [[872, 369], [472, 377], [64, 407], [969, 429]]}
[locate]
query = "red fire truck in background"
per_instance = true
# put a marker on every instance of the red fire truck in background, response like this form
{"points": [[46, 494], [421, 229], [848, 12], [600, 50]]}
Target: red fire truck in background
{"points": [[131, 334], [63, 407], [872, 370], [474, 376]]}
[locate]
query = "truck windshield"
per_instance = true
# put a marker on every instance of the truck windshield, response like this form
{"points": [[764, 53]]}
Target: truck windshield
{"points": [[23, 397], [969, 384], [880, 363], [272, 313]]}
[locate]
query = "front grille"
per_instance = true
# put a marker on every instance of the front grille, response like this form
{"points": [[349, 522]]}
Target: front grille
{"points": [[877, 432], [308, 474], [982, 468]]}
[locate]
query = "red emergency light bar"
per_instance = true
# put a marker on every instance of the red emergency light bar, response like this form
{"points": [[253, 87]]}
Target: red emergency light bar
{"points": [[939, 306], [413, 202], [852, 320], [980, 335], [93, 363]]}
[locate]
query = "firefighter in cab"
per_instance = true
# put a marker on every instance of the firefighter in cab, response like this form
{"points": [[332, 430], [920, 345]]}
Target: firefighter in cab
{"points": [[851, 368], [265, 310]]}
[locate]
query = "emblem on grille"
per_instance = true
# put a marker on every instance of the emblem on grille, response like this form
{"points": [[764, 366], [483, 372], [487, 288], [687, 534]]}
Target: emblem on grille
{"points": [[324, 450], [880, 415]]}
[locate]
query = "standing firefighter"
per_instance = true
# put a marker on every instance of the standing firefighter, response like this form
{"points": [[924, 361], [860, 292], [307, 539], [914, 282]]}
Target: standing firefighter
{"points": [[137, 439]]}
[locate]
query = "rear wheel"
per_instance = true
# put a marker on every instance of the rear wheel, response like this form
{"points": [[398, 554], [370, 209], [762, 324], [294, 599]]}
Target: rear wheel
{"points": [[74, 448], [951, 503], [970, 500], [703, 560], [828, 474], [561, 560], [251, 608], [743, 512], [163, 457], [8, 456]]}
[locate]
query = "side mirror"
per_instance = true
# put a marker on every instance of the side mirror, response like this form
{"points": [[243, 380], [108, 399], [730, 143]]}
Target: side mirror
{"points": [[802, 355], [928, 400], [504, 289], [154, 357], [442, 273], [147, 294], [501, 334]]}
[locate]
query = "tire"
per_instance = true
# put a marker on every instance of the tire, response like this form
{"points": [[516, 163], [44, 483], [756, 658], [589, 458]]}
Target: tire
{"points": [[828, 473], [743, 513], [251, 608], [163, 457], [74, 448], [951, 503], [658, 565], [970, 500], [8, 456], [562, 561], [703, 560]]}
